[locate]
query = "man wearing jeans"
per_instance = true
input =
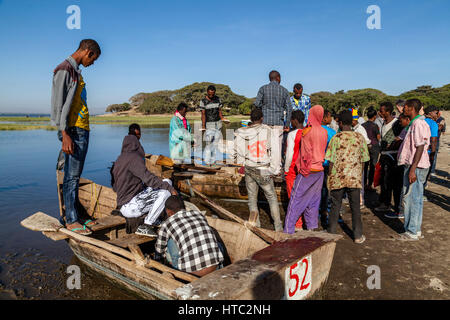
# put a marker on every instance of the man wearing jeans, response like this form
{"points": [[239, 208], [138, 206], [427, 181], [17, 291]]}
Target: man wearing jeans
{"points": [[413, 155], [69, 112], [211, 108], [253, 150], [275, 103]]}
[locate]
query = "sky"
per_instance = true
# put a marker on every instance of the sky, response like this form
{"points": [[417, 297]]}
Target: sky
{"points": [[165, 45]]}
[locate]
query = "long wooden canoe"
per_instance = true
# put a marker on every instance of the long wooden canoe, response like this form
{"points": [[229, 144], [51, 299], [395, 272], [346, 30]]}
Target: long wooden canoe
{"points": [[294, 267], [224, 182]]}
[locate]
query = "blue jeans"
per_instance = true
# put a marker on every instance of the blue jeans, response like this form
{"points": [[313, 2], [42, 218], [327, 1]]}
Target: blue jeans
{"points": [[173, 254], [413, 199], [213, 136], [73, 167]]}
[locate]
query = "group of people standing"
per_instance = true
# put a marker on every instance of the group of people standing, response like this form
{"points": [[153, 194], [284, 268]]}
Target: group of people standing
{"points": [[331, 157], [321, 156]]}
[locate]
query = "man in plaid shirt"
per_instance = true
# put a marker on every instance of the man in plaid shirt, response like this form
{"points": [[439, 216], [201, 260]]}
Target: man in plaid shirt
{"points": [[275, 102], [300, 101], [188, 239]]}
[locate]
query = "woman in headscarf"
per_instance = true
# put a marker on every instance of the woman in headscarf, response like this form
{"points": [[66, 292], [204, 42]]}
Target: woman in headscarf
{"points": [[306, 193], [180, 137]]}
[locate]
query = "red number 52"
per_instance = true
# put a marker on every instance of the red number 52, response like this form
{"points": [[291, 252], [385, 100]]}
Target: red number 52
{"points": [[295, 277]]}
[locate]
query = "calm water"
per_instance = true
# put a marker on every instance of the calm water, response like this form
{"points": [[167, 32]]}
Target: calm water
{"points": [[27, 185]]}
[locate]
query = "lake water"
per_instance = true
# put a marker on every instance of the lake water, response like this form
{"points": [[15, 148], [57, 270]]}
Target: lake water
{"points": [[28, 185]]}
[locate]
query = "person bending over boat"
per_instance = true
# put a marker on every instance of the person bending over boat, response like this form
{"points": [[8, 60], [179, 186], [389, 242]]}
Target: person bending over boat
{"points": [[180, 138], [187, 240], [252, 149], [139, 192]]}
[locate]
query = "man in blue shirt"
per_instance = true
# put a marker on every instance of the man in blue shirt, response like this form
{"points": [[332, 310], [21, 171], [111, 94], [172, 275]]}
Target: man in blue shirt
{"points": [[300, 101], [431, 115]]}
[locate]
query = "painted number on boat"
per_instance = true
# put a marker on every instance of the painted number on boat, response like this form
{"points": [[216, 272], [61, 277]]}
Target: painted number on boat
{"points": [[298, 279]]}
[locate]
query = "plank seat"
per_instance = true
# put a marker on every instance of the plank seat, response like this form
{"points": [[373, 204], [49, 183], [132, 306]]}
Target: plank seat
{"points": [[108, 222]]}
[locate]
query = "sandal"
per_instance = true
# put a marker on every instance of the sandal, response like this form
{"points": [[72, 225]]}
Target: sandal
{"points": [[84, 231], [89, 223]]}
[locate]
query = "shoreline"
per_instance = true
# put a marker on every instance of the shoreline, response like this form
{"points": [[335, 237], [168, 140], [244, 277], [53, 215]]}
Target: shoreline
{"points": [[28, 123]]}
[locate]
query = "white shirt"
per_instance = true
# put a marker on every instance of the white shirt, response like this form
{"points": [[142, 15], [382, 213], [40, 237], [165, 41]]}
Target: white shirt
{"points": [[290, 149], [359, 128]]}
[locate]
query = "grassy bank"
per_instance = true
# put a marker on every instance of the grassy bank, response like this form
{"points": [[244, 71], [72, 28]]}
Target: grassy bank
{"points": [[24, 123], [19, 126], [24, 119]]}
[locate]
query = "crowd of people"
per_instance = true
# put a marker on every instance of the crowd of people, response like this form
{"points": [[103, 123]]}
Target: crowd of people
{"points": [[323, 158]]}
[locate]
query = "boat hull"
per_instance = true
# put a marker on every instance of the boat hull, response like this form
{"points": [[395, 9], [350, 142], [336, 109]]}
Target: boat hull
{"points": [[257, 270]]}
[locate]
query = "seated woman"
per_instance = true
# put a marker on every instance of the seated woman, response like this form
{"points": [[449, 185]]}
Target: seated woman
{"points": [[139, 192], [188, 241]]}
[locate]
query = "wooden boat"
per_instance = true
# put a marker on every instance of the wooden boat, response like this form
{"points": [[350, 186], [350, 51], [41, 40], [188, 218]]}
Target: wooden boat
{"points": [[224, 182], [293, 267]]}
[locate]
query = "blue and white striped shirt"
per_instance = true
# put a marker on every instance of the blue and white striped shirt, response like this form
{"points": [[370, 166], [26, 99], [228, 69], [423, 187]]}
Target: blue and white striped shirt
{"points": [[304, 104]]}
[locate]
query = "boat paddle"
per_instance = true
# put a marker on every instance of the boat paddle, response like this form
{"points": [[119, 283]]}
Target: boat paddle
{"points": [[43, 222]]}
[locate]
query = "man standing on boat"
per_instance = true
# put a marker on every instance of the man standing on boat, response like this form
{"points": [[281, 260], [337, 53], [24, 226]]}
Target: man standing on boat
{"points": [[211, 108], [275, 102], [69, 112], [253, 150]]}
